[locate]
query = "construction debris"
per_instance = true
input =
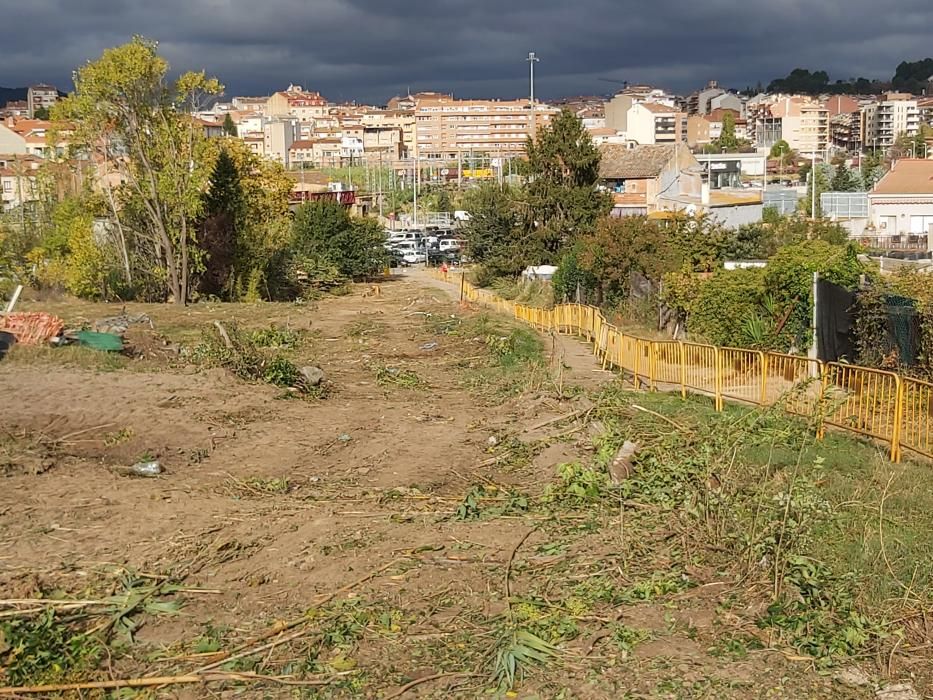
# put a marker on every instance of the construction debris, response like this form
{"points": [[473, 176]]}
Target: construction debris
{"points": [[32, 327], [622, 466], [118, 325], [313, 376]]}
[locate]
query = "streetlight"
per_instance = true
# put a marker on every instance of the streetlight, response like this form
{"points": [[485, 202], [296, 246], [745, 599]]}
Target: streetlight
{"points": [[532, 59]]}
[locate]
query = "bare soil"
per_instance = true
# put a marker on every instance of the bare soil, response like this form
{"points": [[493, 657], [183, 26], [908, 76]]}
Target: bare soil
{"points": [[269, 503]]}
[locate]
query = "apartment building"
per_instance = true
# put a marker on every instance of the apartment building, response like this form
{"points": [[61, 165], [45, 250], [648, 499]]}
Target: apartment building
{"points": [[250, 104], [730, 101], [882, 122], [653, 123], [18, 109], [698, 102], [925, 107], [40, 96], [306, 106], [446, 127], [278, 137], [401, 119], [616, 110], [800, 121], [317, 152], [383, 143], [845, 131]]}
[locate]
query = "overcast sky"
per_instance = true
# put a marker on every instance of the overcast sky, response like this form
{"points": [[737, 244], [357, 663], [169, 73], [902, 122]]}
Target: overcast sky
{"points": [[369, 50]]}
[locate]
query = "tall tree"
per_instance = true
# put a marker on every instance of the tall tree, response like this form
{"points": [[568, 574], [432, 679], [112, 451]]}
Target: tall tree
{"points": [[124, 109], [845, 180], [494, 236], [229, 127], [223, 212], [562, 201], [727, 139]]}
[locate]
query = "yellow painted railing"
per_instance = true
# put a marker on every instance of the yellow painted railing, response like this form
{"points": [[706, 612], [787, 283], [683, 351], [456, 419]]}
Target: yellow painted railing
{"points": [[878, 404]]}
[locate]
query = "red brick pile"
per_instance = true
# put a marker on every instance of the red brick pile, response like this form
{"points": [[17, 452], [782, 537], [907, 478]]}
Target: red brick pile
{"points": [[32, 328]]}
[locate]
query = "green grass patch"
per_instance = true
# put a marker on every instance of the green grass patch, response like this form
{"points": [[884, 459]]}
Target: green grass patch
{"points": [[68, 356], [834, 531], [398, 377]]}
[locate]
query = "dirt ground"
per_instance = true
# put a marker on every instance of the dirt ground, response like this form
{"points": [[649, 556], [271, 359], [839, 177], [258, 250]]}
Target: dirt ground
{"points": [[268, 506]]}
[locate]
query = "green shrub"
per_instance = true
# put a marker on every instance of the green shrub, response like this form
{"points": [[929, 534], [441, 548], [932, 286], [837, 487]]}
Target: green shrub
{"points": [[723, 303], [245, 358], [789, 280]]}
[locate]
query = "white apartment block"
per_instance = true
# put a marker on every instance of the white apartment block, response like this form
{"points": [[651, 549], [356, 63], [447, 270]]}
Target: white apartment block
{"points": [[41, 95], [884, 121]]}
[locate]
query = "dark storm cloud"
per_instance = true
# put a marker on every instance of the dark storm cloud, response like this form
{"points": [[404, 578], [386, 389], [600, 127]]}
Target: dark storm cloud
{"points": [[372, 49]]}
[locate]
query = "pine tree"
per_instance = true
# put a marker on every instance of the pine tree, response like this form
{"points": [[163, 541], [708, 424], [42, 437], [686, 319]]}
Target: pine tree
{"points": [[845, 180], [561, 197], [727, 140], [225, 194], [223, 210], [229, 126]]}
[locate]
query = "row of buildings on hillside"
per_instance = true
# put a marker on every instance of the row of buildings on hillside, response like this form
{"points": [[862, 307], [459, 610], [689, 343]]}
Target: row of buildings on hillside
{"points": [[811, 126], [300, 128]]}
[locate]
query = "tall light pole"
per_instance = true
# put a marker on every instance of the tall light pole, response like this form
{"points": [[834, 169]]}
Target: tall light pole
{"points": [[532, 59], [813, 195]]}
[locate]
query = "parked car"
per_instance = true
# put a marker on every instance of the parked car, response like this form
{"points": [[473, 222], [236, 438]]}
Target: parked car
{"points": [[406, 247], [449, 244], [413, 258]]}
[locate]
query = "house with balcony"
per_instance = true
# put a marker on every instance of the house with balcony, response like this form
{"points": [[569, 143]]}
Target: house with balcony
{"points": [[900, 206], [666, 180]]}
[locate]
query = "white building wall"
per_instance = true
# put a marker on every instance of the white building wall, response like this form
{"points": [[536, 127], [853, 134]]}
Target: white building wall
{"points": [[893, 216], [640, 125], [11, 143]]}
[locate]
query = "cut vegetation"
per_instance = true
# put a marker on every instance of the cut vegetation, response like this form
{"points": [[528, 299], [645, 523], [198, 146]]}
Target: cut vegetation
{"points": [[472, 511]]}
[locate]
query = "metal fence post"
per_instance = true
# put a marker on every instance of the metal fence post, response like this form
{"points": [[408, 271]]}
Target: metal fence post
{"points": [[718, 380], [683, 370], [764, 378], [898, 417]]}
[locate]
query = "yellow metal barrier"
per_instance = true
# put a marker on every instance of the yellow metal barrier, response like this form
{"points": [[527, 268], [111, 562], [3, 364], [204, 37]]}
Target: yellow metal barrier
{"points": [[667, 362], [701, 370], [795, 380], [917, 416], [742, 375], [865, 401], [875, 403]]}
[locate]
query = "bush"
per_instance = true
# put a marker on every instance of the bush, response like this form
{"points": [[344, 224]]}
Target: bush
{"points": [[789, 280], [325, 233], [724, 303], [245, 358]]}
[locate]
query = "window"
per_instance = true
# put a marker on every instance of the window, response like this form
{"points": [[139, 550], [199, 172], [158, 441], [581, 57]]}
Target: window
{"points": [[921, 224], [7, 186]]}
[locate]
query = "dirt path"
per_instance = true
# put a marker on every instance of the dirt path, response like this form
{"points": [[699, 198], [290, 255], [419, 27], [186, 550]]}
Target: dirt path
{"points": [[423, 465], [580, 365]]}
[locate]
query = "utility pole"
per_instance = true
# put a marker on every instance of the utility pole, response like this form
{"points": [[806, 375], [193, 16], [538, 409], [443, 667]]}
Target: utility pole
{"points": [[813, 196], [416, 174], [532, 59]]}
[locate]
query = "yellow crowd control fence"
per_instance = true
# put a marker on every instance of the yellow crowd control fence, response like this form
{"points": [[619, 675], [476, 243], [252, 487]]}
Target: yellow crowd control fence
{"points": [[878, 404]]}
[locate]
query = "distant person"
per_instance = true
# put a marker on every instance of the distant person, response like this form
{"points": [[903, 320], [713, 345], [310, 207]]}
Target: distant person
{"points": [[444, 270]]}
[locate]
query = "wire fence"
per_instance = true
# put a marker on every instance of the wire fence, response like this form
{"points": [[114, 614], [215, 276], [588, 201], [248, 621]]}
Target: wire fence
{"points": [[877, 404]]}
